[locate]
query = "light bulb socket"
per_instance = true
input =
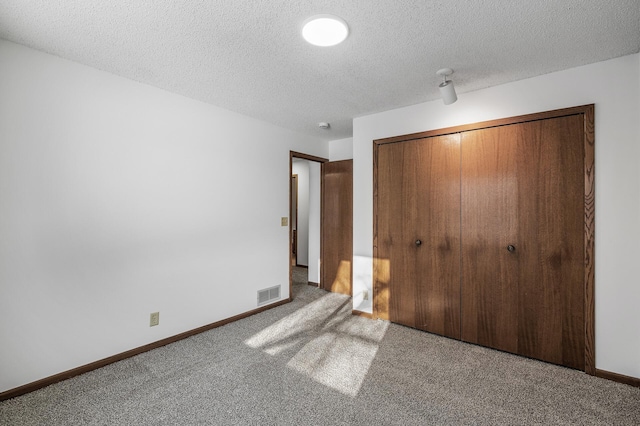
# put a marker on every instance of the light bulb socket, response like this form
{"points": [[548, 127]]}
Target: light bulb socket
{"points": [[448, 92]]}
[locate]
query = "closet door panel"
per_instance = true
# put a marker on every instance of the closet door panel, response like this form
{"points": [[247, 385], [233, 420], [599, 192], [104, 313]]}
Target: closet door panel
{"points": [[489, 219], [522, 186], [398, 206], [551, 209], [419, 234], [438, 290]]}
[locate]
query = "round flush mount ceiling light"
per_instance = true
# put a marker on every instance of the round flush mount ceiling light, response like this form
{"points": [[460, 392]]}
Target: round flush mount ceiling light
{"points": [[325, 30]]}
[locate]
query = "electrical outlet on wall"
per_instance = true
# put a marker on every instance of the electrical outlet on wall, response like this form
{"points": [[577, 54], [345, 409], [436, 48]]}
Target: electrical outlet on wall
{"points": [[154, 319]]}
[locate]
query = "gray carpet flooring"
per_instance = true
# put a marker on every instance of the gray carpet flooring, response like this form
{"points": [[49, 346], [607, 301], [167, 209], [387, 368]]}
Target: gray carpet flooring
{"points": [[310, 362]]}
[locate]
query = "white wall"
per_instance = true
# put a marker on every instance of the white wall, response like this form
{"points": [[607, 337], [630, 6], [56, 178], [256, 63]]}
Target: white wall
{"points": [[301, 168], [314, 222], [613, 87], [117, 200], [341, 149]]}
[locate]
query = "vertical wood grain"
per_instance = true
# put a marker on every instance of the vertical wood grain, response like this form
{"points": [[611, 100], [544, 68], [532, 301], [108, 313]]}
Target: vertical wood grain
{"points": [[337, 229], [522, 185], [418, 199], [380, 281], [589, 239], [554, 314], [398, 188], [550, 214], [438, 227], [489, 224]]}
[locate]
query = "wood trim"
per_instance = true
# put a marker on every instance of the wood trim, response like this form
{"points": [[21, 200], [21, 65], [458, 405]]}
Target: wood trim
{"points": [[295, 154], [293, 240], [588, 112], [487, 124], [589, 240], [311, 283], [620, 378], [322, 193], [375, 289], [362, 314], [291, 226], [302, 266], [39, 384]]}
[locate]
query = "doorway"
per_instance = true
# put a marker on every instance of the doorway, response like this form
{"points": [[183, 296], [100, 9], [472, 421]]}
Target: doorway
{"points": [[305, 221], [321, 222]]}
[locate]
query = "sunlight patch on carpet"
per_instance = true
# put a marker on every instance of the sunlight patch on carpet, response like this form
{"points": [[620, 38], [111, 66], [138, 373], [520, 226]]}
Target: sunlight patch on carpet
{"points": [[291, 329], [338, 360], [336, 349]]}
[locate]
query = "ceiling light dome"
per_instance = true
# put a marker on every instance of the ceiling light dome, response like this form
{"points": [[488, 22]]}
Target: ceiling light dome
{"points": [[325, 30]]}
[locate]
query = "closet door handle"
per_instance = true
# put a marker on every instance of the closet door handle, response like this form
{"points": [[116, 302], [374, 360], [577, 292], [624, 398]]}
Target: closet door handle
{"points": [[418, 243], [511, 248]]}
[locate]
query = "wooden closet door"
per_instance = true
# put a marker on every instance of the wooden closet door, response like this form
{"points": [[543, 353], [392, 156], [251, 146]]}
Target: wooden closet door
{"points": [[523, 185], [417, 275], [489, 219]]}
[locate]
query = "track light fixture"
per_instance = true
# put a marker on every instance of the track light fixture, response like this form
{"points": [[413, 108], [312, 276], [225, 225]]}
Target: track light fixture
{"points": [[447, 91]]}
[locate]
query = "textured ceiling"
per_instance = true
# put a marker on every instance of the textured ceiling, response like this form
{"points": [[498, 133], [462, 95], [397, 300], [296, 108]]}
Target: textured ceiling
{"points": [[249, 57]]}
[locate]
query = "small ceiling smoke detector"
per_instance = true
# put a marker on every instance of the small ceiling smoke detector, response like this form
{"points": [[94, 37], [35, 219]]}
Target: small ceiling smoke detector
{"points": [[324, 125], [325, 30]]}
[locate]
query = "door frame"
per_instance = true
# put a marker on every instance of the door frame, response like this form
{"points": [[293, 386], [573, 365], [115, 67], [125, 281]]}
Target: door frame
{"points": [[293, 213], [588, 114], [315, 159]]}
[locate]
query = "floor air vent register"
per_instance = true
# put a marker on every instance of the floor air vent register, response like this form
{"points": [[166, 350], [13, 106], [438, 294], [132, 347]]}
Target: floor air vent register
{"points": [[268, 294]]}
